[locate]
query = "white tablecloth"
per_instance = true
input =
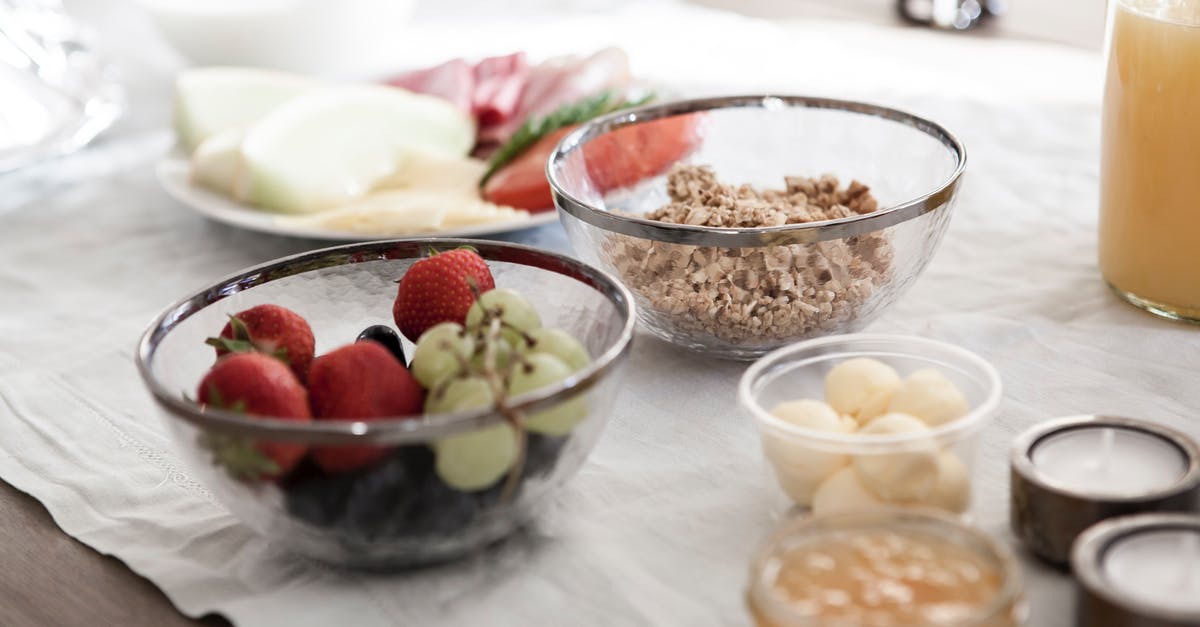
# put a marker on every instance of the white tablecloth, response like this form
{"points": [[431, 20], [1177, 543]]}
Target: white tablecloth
{"points": [[658, 526]]}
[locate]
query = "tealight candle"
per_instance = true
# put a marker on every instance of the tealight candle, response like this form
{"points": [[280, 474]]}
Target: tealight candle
{"points": [[1139, 570], [1071, 473], [1111, 461], [891, 566]]}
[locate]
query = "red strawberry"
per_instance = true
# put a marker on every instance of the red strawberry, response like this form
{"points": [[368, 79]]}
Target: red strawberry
{"points": [[360, 381], [270, 329], [440, 288], [258, 385]]}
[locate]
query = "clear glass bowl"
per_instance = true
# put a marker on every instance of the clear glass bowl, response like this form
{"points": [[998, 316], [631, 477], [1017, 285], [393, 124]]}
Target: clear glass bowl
{"points": [[395, 512], [932, 468], [59, 94], [1007, 608], [776, 285]]}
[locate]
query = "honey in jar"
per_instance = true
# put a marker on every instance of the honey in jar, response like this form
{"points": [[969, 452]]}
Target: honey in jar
{"points": [[849, 574]]}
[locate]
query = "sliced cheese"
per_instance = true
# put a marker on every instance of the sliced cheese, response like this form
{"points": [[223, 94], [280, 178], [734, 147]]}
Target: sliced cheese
{"points": [[409, 211]]}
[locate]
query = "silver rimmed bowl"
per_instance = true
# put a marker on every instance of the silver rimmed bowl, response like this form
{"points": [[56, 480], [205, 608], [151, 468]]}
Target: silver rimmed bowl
{"points": [[742, 292], [394, 512]]}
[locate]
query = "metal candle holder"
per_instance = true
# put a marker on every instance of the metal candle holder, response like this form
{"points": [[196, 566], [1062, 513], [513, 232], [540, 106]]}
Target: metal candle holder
{"points": [[1048, 517], [1101, 604]]}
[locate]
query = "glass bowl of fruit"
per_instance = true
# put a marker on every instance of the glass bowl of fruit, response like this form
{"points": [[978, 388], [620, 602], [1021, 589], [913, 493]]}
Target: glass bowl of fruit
{"points": [[391, 403], [746, 223], [865, 420]]}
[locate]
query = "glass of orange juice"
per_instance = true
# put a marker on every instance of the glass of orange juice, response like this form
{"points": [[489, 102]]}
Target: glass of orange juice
{"points": [[1150, 163]]}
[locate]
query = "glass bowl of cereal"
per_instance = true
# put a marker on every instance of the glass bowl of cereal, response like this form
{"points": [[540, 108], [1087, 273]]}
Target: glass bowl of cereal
{"points": [[865, 420], [753, 222]]}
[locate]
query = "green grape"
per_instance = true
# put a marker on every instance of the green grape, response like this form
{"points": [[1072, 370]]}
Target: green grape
{"points": [[459, 395], [539, 371], [503, 350], [560, 344], [440, 353], [477, 459], [516, 313]]}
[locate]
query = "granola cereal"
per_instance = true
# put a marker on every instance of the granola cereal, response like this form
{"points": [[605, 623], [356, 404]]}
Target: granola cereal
{"points": [[755, 296]]}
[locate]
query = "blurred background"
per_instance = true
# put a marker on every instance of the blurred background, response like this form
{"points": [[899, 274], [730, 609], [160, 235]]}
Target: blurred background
{"points": [[1075, 22], [73, 68]]}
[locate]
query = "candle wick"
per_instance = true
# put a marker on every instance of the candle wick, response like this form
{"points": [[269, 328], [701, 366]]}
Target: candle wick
{"points": [[1107, 436]]}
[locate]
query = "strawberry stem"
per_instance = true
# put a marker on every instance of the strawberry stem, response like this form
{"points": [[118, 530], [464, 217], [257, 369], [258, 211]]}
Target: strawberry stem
{"points": [[241, 342], [239, 329], [231, 345], [239, 457]]}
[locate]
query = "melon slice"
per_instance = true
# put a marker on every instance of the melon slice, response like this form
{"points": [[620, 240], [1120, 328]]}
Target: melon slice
{"points": [[215, 99], [325, 148]]}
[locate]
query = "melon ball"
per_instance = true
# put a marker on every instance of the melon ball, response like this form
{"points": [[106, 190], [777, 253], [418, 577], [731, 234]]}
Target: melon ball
{"points": [[952, 491], [930, 396], [843, 492], [799, 468], [861, 388], [905, 476]]}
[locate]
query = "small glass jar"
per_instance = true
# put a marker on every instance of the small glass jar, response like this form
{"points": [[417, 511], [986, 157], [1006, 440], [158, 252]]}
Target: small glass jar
{"points": [[832, 471], [933, 571]]}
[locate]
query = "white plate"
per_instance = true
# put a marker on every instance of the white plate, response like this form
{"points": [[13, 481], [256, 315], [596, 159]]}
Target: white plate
{"points": [[173, 175]]}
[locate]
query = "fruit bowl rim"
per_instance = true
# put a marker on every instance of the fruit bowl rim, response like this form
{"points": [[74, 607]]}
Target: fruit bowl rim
{"points": [[938, 198], [392, 430]]}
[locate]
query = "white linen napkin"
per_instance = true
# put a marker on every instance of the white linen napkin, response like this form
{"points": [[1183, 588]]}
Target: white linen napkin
{"points": [[658, 526]]}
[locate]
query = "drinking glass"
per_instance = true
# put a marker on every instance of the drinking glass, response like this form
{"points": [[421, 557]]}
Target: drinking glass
{"points": [[1150, 156]]}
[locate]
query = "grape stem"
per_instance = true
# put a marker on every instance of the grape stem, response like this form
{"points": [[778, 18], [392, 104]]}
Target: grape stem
{"points": [[513, 417], [464, 367]]}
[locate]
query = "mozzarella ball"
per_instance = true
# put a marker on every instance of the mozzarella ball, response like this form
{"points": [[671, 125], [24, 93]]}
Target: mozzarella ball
{"points": [[861, 388], [800, 468], [900, 477], [842, 492], [799, 484], [893, 423], [809, 414], [952, 491], [930, 396]]}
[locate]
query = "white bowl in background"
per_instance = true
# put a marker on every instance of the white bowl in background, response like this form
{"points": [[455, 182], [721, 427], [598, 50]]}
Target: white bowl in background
{"points": [[322, 37]]}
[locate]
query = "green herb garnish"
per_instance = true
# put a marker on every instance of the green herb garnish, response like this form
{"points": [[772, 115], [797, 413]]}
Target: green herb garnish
{"points": [[534, 129]]}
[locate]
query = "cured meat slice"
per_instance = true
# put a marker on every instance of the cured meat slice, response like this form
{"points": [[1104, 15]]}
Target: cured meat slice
{"points": [[453, 80], [502, 92], [499, 82], [560, 81]]}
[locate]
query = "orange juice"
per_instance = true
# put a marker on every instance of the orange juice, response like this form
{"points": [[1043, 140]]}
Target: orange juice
{"points": [[1150, 164]]}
